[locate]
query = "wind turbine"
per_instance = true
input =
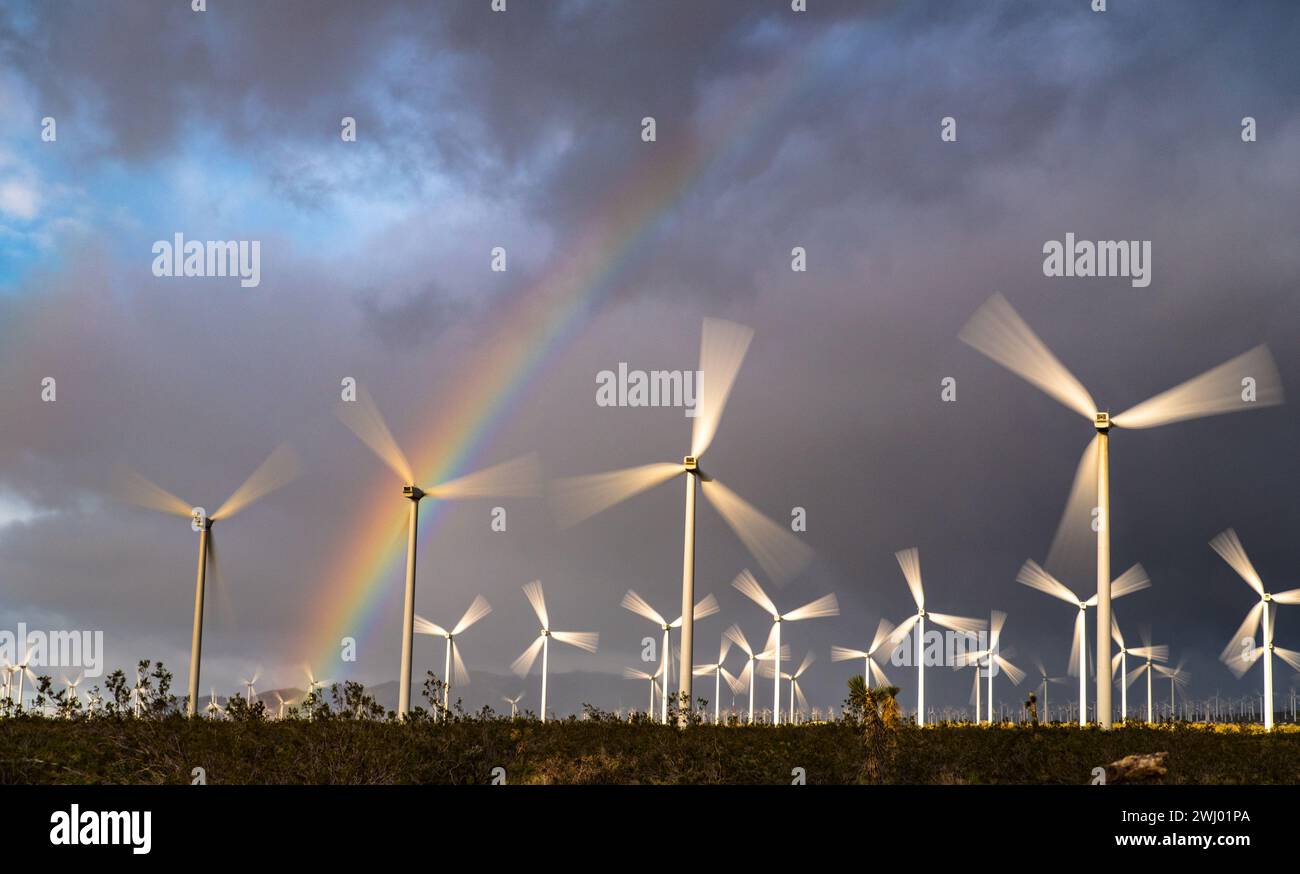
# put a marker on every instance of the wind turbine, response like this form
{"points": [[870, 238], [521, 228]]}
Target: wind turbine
{"points": [[795, 691], [23, 670], [1134, 579], [634, 674], [515, 478], [910, 562], [1238, 654], [1177, 677], [1246, 382], [991, 661], [478, 608], [73, 684], [1150, 653], [584, 640], [138, 693], [278, 470], [248, 685], [281, 702], [717, 670], [9, 676], [514, 704], [312, 685], [782, 555], [821, 608], [869, 666], [638, 605], [769, 653]]}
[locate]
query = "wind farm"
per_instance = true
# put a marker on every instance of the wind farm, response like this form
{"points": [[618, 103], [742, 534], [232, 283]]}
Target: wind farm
{"points": [[698, 353]]}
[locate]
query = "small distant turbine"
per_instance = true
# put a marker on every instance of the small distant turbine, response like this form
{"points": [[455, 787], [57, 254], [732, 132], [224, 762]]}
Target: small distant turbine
{"points": [[213, 707], [1151, 653], [514, 704], [24, 671], [72, 685], [769, 653], [312, 685], [910, 562], [634, 674], [717, 670], [991, 661], [638, 605], [477, 610], [1178, 678], [584, 640], [868, 656], [249, 683], [823, 607], [795, 691]]}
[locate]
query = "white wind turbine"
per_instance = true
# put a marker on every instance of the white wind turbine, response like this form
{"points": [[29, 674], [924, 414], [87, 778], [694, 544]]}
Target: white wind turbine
{"points": [[1246, 382], [584, 640], [278, 469], [634, 674], [821, 608], [518, 477], [780, 553], [249, 683], [213, 707], [9, 676], [717, 670], [1241, 651], [1042, 670], [1150, 653], [769, 653], [1132, 580], [910, 562], [279, 699], [795, 691], [24, 671], [478, 608], [73, 684], [991, 661], [138, 693], [1178, 677], [312, 685], [514, 704], [638, 605], [869, 666], [1120, 661]]}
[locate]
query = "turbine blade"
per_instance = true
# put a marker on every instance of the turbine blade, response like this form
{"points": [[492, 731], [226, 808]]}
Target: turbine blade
{"points": [[587, 640], [1035, 577], [736, 636], [1240, 661], [1014, 673], [1218, 390], [533, 592], [962, 624], [1134, 579], [131, 487], [798, 696], [883, 630], [1114, 662], [722, 349], [216, 581], [524, 663], [878, 673], [1134, 674], [996, 620], [1244, 639], [723, 649], [1076, 647], [1229, 548], [749, 587], [779, 552], [477, 610], [843, 654], [581, 497], [280, 467], [1290, 656], [634, 674], [365, 420], [910, 561], [458, 667], [1074, 545], [424, 626], [804, 665], [517, 478], [705, 607], [998, 331], [638, 605], [824, 606], [902, 630], [1291, 596], [1115, 634], [1158, 653]]}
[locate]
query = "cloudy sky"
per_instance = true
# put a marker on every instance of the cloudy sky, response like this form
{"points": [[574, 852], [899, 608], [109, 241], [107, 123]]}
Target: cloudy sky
{"points": [[523, 130]]}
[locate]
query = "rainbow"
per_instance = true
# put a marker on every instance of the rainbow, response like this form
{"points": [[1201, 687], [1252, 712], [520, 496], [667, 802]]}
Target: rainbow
{"points": [[365, 588]]}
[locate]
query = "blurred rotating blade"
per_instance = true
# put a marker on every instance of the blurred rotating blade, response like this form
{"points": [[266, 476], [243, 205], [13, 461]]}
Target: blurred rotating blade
{"points": [[1218, 390], [780, 553], [722, 350], [581, 497]]}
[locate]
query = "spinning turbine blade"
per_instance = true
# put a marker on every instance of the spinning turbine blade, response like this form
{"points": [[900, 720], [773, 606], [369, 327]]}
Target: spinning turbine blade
{"points": [[524, 663], [280, 467], [883, 630], [132, 488], [1159, 653], [779, 552], [363, 417], [722, 349], [910, 561], [1115, 634], [517, 478], [533, 592], [1032, 575], [996, 622], [824, 606], [878, 673], [1291, 596], [808, 659], [1134, 674], [1013, 673], [1216, 391], [424, 626], [750, 588], [1244, 639], [458, 667], [998, 331], [961, 624], [705, 607], [638, 605], [1229, 548], [587, 640], [1290, 656], [736, 636], [842, 654], [477, 610], [1134, 579], [581, 497], [1074, 546], [902, 630]]}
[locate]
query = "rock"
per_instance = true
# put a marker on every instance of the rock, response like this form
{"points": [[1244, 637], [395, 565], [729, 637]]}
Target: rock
{"points": [[1137, 768]]}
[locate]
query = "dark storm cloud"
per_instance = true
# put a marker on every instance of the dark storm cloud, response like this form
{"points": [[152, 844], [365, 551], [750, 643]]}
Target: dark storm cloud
{"points": [[1123, 125]]}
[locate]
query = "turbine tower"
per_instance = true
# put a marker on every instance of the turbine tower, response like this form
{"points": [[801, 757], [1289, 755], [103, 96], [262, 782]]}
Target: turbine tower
{"points": [[278, 470], [1247, 382], [518, 477], [779, 552]]}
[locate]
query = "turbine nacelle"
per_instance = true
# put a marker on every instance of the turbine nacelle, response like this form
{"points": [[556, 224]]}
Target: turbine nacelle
{"points": [[412, 493], [1102, 422]]}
